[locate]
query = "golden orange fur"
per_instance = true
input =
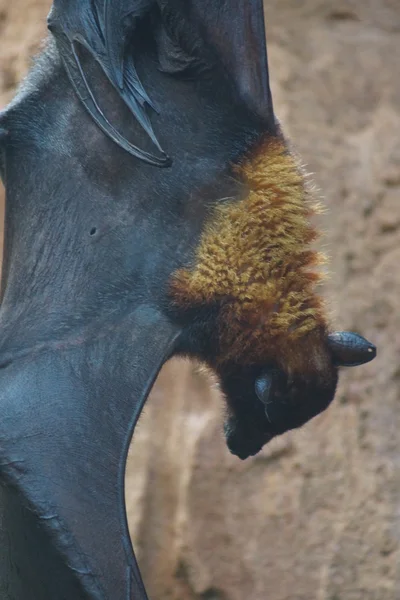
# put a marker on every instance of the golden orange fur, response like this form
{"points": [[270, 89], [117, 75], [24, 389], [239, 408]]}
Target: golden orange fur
{"points": [[255, 259]]}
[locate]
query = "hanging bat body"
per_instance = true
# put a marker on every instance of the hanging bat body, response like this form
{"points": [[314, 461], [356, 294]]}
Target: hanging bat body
{"points": [[153, 209]]}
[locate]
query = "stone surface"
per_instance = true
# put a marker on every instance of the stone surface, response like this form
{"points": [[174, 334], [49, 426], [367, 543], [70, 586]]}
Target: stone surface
{"points": [[316, 516]]}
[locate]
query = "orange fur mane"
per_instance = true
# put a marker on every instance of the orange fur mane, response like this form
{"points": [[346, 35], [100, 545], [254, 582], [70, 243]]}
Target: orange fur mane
{"points": [[255, 260]]}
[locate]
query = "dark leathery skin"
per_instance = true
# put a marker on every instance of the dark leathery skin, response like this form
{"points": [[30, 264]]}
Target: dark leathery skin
{"points": [[350, 349]]}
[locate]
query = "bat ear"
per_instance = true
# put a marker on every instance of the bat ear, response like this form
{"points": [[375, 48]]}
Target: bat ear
{"points": [[236, 30], [350, 349]]}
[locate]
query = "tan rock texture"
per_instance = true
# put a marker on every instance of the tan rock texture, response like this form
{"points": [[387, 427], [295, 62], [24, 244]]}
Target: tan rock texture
{"points": [[316, 516]]}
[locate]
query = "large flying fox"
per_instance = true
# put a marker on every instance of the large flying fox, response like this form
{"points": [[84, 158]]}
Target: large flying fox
{"points": [[154, 208]]}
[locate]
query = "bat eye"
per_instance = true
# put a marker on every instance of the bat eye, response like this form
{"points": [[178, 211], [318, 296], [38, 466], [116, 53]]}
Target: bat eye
{"points": [[264, 388], [271, 388], [272, 384]]}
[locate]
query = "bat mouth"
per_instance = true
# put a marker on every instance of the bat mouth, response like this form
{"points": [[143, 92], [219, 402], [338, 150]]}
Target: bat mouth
{"points": [[247, 434], [272, 413], [245, 439]]}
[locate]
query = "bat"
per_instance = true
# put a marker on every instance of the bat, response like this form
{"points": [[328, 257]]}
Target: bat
{"points": [[154, 208]]}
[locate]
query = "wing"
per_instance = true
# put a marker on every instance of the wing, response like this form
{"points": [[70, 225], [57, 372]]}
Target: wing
{"points": [[67, 539], [235, 31], [105, 28]]}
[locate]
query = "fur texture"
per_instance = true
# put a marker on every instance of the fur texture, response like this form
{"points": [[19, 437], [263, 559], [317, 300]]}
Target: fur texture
{"points": [[255, 261]]}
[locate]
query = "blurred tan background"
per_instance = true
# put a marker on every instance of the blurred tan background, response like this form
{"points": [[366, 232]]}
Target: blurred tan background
{"points": [[316, 516]]}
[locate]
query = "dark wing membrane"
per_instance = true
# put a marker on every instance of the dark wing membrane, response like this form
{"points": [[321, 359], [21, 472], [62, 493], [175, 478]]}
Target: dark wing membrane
{"points": [[103, 30], [120, 18], [235, 29], [63, 470]]}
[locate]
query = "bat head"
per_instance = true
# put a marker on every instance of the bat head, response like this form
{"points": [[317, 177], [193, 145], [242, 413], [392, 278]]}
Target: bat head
{"points": [[265, 402]]}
